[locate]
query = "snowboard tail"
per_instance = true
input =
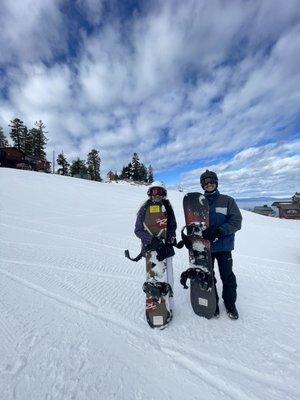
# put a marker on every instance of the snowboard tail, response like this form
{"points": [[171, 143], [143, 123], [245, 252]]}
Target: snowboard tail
{"points": [[157, 313], [158, 291]]}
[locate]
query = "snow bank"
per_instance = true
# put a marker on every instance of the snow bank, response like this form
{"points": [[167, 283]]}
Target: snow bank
{"points": [[72, 309]]}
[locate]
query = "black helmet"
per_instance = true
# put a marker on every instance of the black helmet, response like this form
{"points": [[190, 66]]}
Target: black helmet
{"points": [[208, 176]]}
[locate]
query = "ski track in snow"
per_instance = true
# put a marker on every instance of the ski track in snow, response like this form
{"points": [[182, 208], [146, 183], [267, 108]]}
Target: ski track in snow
{"points": [[274, 261], [188, 360], [75, 271], [70, 327]]}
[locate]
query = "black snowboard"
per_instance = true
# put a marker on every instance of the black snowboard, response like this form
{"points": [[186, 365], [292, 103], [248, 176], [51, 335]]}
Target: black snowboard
{"points": [[200, 271]]}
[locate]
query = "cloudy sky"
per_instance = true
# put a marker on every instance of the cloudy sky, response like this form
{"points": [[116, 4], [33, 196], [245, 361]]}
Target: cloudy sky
{"points": [[188, 85]]}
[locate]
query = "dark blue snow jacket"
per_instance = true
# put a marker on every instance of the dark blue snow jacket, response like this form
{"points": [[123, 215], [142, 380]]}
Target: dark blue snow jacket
{"points": [[225, 215]]}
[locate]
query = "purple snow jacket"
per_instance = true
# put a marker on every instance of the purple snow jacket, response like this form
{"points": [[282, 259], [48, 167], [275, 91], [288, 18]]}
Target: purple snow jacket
{"points": [[144, 235]]}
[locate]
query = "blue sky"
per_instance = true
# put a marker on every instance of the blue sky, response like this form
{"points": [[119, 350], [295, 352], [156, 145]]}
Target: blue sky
{"points": [[187, 85]]}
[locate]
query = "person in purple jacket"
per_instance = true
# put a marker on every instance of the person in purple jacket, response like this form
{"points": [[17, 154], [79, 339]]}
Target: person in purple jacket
{"points": [[163, 245]]}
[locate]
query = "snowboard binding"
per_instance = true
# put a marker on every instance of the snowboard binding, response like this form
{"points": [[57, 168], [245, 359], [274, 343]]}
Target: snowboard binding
{"points": [[157, 290], [197, 275]]}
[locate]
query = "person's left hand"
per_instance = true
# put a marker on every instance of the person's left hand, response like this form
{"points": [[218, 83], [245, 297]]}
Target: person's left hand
{"points": [[211, 233]]}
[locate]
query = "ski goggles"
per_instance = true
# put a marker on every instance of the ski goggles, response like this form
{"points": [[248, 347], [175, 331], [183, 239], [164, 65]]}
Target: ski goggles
{"points": [[207, 181], [157, 191]]}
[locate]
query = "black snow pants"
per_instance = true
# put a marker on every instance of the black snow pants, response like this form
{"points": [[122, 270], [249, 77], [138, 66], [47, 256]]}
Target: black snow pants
{"points": [[224, 260]]}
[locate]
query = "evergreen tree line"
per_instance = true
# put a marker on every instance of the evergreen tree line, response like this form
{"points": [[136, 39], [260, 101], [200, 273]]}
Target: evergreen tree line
{"points": [[79, 167], [31, 141], [135, 171]]}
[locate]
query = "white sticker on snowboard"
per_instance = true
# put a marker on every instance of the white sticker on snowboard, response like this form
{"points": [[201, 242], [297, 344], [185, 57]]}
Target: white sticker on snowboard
{"points": [[203, 302], [158, 320]]}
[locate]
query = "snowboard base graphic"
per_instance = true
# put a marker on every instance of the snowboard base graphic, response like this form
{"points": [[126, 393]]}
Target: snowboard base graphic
{"points": [[200, 271], [157, 290]]}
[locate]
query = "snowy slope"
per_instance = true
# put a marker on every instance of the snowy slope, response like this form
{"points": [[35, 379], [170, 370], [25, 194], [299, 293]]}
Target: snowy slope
{"points": [[72, 308]]}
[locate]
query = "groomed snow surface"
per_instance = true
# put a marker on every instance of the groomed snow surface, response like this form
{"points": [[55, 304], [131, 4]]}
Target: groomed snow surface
{"points": [[72, 320]]}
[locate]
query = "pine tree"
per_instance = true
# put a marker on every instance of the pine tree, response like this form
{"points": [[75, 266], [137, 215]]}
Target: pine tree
{"points": [[142, 173], [136, 165], [33, 132], [39, 140], [78, 167], [93, 165], [63, 163], [116, 176], [123, 173], [150, 174], [17, 132], [126, 172], [136, 171], [296, 198], [3, 140], [27, 145]]}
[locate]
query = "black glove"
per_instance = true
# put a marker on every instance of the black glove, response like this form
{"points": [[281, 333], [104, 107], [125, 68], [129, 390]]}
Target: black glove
{"points": [[159, 246], [183, 278], [170, 250], [211, 233], [155, 243], [184, 242], [180, 244], [162, 252], [172, 240]]}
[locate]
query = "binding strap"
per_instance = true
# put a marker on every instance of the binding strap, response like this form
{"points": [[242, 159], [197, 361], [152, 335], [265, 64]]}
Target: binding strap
{"points": [[157, 289], [204, 279]]}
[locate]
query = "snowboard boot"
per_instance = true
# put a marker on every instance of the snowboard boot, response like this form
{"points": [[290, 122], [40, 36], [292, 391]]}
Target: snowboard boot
{"points": [[217, 312], [233, 312]]}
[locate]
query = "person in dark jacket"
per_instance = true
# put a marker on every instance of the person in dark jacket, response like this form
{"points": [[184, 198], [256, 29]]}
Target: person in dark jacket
{"points": [[160, 240], [225, 219]]}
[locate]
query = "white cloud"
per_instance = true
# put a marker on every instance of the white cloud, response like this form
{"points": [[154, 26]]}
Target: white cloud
{"points": [[31, 30], [181, 82], [273, 80], [91, 9], [41, 89], [273, 169]]}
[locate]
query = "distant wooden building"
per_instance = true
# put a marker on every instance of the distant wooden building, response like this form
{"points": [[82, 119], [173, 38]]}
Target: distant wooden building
{"points": [[287, 209], [265, 210], [11, 157]]}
